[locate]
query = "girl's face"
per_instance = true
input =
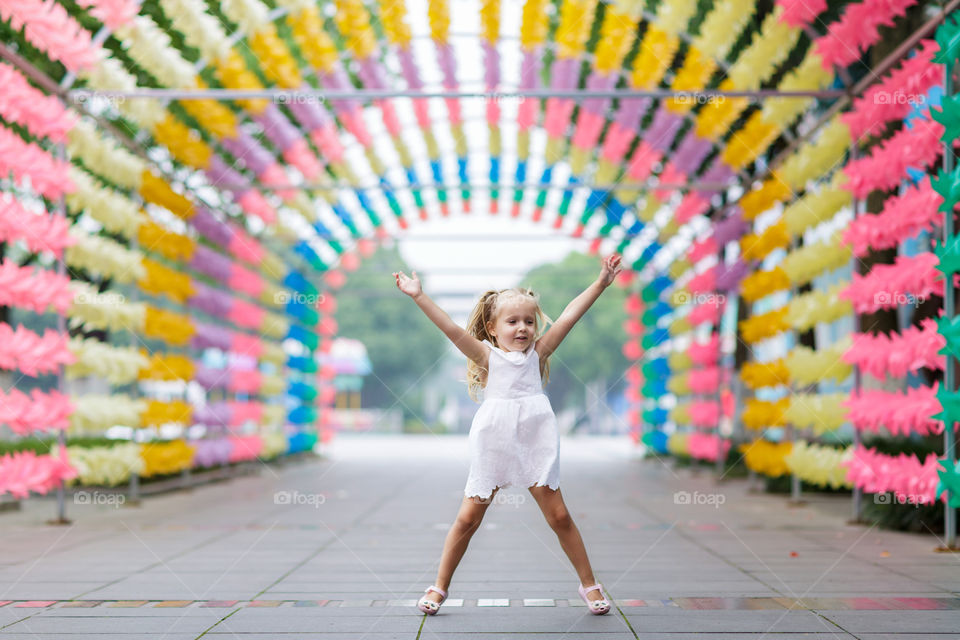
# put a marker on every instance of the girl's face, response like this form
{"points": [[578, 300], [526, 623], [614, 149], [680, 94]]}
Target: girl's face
{"points": [[515, 325]]}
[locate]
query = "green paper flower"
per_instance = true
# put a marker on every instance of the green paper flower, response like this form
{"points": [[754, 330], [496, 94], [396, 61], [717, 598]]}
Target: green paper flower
{"points": [[948, 37], [950, 401], [949, 328], [948, 186], [949, 116], [949, 482], [949, 257]]}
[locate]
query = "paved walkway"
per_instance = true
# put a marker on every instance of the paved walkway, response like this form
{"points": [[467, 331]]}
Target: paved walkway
{"points": [[342, 548]]}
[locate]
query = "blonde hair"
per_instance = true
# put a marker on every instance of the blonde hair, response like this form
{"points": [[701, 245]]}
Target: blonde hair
{"points": [[484, 313]]}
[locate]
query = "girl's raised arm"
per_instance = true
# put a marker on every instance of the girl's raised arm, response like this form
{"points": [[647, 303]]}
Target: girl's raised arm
{"points": [[466, 343], [550, 340]]}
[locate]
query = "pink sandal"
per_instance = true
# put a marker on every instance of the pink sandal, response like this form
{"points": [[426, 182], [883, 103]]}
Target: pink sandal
{"points": [[597, 607], [430, 607]]}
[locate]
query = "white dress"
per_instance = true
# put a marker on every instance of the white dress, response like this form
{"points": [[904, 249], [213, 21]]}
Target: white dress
{"points": [[514, 440]]}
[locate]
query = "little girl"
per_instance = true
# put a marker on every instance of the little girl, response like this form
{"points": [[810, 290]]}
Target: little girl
{"points": [[513, 439]]}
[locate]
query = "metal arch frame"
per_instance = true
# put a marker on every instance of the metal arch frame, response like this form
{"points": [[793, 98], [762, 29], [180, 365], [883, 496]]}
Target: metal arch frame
{"points": [[283, 96]]}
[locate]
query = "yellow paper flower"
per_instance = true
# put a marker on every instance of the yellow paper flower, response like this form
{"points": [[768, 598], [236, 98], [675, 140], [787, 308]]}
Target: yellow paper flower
{"points": [[104, 157], [572, 32], [167, 366], [314, 42], [616, 36], [694, 74], [715, 118], [172, 246], [94, 413], [116, 212], [806, 310], [820, 412], [677, 444], [809, 75], [108, 310], [804, 264], [184, 144], [760, 414], [722, 27], [770, 47], [103, 257], [277, 62], [764, 326], [762, 283], [117, 365], [766, 458], [764, 374], [748, 143], [172, 328], [679, 360], [105, 466], [816, 207], [159, 279], [678, 385], [158, 413], [807, 366], [818, 157], [820, 465], [438, 15], [155, 190], [275, 444], [757, 246], [163, 458], [656, 53], [681, 414], [763, 198]]}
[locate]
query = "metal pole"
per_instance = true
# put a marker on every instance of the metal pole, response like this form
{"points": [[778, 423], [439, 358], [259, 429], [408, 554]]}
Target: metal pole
{"points": [[949, 310], [857, 505], [61, 210]]}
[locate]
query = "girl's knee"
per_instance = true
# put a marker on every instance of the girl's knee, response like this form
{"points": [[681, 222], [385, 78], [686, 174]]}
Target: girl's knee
{"points": [[559, 518]]}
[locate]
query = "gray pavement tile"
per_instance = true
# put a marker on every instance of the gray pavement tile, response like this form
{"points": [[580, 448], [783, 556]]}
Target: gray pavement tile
{"points": [[374, 547]]}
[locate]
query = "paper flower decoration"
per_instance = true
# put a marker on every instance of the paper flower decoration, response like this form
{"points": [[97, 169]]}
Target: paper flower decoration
{"points": [[806, 310], [901, 413], [760, 414], [38, 411], [948, 486], [764, 326], [764, 374], [32, 354], [807, 366], [34, 289], [909, 479], [897, 354], [108, 466], [24, 471], [820, 412], [902, 217], [164, 458], [40, 232], [766, 458], [96, 413], [909, 280], [819, 465]]}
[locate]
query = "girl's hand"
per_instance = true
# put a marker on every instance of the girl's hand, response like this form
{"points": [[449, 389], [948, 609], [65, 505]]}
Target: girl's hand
{"points": [[611, 267], [410, 286]]}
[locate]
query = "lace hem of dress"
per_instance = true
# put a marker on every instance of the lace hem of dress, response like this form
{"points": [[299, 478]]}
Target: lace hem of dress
{"points": [[554, 486]]}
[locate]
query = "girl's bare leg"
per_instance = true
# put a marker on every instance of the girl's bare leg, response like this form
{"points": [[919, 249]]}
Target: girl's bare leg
{"points": [[558, 517], [468, 520]]}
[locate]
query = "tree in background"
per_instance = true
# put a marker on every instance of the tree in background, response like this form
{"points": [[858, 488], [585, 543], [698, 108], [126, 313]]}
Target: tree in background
{"points": [[592, 349], [404, 347]]}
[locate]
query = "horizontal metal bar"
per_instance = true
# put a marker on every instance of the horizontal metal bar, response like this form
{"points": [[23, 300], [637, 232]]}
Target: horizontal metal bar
{"points": [[286, 96]]}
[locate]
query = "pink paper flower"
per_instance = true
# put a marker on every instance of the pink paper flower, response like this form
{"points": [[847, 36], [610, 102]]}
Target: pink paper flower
{"points": [[911, 350], [904, 475], [24, 471], [32, 354], [40, 232], [902, 217], [908, 281], [900, 414]]}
